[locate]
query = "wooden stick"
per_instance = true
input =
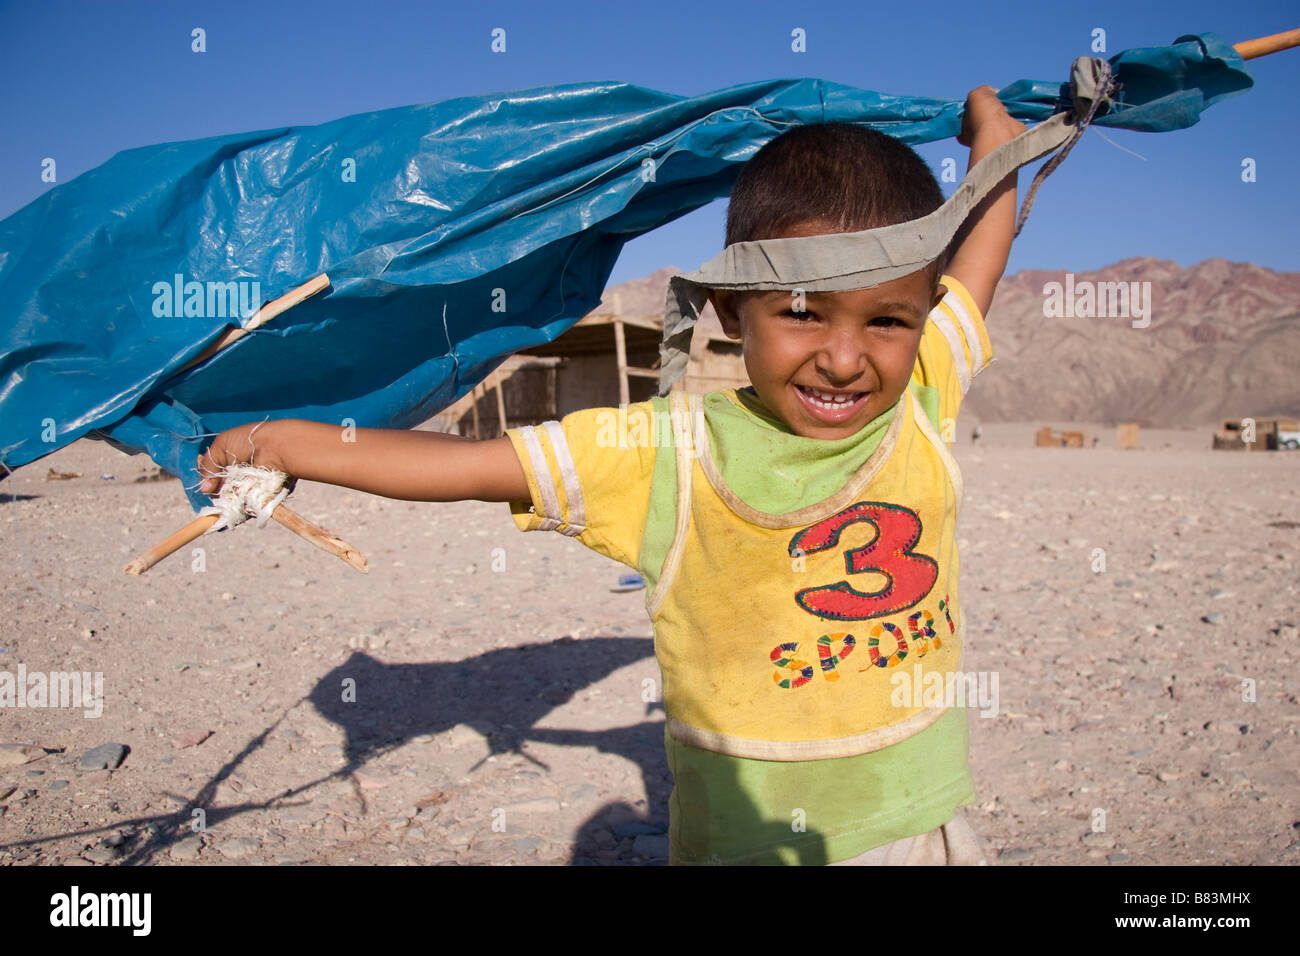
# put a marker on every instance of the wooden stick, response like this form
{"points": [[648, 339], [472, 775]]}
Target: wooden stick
{"points": [[170, 545], [263, 315], [1252, 49], [290, 519], [473, 397], [501, 401], [321, 538]]}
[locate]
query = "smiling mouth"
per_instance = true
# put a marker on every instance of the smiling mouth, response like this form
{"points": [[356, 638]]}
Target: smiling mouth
{"points": [[831, 406]]}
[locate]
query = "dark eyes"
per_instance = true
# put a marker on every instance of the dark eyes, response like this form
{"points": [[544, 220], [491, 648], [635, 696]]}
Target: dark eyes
{"points": [[884, 321]]}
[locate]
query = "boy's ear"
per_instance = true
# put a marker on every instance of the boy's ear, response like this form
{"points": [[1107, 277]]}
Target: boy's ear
{"points": [[724, 304]]}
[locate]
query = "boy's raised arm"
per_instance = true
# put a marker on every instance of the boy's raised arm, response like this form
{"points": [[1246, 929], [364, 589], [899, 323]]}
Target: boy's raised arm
{"points": [[982, 245], [409, 465]]}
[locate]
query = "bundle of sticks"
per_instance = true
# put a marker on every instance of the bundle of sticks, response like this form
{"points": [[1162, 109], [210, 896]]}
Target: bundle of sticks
{"points": [[289, 519]]}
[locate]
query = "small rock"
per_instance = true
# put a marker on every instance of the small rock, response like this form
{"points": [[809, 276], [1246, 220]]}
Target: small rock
{"points": [[463, 735], [35, 774], [103, 757], [1228, 728], [191, 738], [57, 785], [1015, 853], [1214, 617], [369, 779], [187, 849], [1093, 839], [239, 847], [527, 844], [1120, 857], [101, 854], [583, 791]]}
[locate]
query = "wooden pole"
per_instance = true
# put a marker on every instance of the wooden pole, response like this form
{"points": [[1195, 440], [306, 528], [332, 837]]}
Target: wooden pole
{"points": [[320, 537], [263, 315], [290, 519], [620, 352], [473, 407], [501, 401], [171, 545], [1253, 49]]}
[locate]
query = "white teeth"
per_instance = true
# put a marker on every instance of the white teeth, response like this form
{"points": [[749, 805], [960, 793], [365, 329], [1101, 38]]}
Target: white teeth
{"points": [[828, 400]]}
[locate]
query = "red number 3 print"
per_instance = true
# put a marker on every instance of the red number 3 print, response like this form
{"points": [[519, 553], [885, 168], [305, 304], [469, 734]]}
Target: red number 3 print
{"points": [[910, 574]]}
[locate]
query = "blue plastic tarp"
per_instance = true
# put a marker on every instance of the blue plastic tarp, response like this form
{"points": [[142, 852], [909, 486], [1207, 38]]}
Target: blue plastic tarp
{"points": [[454, 234]]}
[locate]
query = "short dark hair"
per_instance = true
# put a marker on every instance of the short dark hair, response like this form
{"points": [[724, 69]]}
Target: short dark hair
{"points": [[851, 177]]}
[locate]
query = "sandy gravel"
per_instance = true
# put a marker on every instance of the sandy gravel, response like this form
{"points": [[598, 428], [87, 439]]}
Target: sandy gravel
{"points": [[499, 715]]}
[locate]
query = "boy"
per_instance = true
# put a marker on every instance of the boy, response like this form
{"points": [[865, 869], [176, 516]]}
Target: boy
{"points": [[786, 736]]}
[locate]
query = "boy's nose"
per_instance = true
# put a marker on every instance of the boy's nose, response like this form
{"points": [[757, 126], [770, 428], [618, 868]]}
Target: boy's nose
{"points": [[841, 359]]}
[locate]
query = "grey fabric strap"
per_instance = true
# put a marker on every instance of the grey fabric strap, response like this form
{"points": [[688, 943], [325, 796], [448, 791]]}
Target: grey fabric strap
{"points": [[856, 260]]}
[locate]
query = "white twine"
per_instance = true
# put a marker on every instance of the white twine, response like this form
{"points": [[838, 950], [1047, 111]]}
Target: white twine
{"points": [[247, 491]]}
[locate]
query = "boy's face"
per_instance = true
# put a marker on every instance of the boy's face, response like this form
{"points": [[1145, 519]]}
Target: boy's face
{"points": [[845, 360]]}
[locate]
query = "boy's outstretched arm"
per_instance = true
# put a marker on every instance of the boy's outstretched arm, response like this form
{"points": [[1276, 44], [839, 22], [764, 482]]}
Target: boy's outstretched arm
{"points": [[409, 465], [982, 245]]}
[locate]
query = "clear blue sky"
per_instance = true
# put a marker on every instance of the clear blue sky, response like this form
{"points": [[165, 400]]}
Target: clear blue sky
{"points": [[83, 80]]}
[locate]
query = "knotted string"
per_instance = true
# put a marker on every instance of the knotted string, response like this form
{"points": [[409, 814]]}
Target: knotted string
{"points": [[1107, 87], [247, 491]]}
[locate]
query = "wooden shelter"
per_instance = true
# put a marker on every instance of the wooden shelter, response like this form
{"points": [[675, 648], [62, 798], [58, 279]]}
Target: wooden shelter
{"points": [[1270, 434], [608, 358], [1048, 438]]}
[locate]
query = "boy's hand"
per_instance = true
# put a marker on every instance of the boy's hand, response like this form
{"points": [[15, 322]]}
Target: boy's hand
{"points": [[987, 121], [235, 447]]}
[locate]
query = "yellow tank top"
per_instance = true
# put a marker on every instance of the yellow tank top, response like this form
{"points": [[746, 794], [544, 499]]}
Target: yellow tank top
{"points": [[777, 635]]}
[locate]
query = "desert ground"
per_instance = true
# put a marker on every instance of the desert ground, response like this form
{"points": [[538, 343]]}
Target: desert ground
{"points": [[1147, 709]]}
